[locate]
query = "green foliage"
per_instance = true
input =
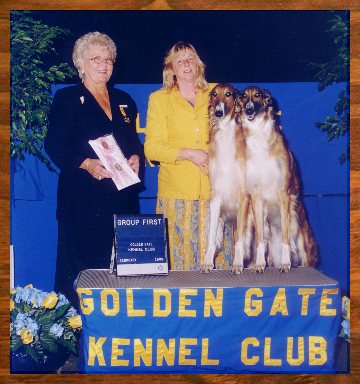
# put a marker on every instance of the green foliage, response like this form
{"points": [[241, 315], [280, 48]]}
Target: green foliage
{"points": [[32, 45], [335, 71]]}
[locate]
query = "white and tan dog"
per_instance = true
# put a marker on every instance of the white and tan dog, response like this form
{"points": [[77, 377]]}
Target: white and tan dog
{"points": [[283, 235], [227, 162]]}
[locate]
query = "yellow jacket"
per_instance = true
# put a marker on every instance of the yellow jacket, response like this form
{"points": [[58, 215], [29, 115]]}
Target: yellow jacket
{"points": [[173, 124]]}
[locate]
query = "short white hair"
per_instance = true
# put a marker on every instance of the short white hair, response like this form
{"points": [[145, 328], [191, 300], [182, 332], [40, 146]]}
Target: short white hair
{"points": [[88, 40]]}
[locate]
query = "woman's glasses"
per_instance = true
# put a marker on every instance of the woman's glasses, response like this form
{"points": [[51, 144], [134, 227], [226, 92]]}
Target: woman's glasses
{"points": [[100, 60]]}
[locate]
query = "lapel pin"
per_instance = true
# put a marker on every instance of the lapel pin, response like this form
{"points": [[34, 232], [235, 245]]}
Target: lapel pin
{"points": [[122, 110]]}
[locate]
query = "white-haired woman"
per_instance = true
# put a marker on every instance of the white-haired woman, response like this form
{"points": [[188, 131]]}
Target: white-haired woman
{"points": [[87, 197], [177, 134]]}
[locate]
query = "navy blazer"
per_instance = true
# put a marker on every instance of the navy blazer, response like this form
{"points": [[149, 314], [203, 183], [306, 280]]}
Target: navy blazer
{"points": [[75, 118]]}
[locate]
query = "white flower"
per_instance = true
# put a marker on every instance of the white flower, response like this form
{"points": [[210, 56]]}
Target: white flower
{"points": [[20, 322], [56, 330], [71, 312], [62, 300], [32, 326]]}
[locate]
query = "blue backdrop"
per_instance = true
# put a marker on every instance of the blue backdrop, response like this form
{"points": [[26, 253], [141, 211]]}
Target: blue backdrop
{"points": [[325, 185]]}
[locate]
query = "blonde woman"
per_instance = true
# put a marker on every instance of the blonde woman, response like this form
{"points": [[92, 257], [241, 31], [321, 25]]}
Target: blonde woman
{"points": [[177, 136], [87, 196]]}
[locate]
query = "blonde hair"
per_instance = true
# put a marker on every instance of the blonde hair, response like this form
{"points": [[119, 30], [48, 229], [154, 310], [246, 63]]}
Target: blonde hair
{"points": [[88, 40], [178, 49]]}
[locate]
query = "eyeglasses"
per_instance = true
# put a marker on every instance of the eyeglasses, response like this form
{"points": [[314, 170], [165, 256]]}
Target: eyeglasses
{"points": [[100, 60]]}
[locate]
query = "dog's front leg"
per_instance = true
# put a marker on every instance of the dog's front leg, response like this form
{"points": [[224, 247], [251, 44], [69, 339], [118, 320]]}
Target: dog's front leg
{"points": [[242, 222], [208, 263], [257, 204], [285, 264]]}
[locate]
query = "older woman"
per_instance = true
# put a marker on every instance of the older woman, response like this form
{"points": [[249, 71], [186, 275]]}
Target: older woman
{"points": [[87, 196], [177, 137]]}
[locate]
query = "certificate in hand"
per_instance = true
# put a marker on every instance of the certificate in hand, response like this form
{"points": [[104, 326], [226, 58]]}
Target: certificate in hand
{"points": [[110, 154]]}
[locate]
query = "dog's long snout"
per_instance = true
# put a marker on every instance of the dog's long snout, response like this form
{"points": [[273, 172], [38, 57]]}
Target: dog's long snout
{"points": [[250, 111], [220, 110], [249, 108]]}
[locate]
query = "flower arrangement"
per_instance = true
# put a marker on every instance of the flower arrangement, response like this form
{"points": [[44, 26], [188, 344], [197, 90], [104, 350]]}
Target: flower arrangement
{"points": [[42, 323], [345, 324]]}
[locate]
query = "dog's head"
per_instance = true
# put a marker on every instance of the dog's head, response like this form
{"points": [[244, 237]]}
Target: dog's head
{"points": [[223, 101], [254, 101]]}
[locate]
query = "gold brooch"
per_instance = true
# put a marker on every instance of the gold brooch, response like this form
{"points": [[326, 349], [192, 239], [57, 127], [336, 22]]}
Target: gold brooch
{"points": [[122, 110]]}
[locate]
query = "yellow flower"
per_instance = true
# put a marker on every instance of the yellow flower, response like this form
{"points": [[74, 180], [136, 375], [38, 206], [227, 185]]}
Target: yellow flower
{"points": [[26, 336], [75, 321], [346, 303], [29, 286], [12, 291], [12, 305], [50, 301]]}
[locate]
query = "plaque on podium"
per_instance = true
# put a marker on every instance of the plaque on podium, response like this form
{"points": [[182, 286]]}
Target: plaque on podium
{"points": [[140, 245]]}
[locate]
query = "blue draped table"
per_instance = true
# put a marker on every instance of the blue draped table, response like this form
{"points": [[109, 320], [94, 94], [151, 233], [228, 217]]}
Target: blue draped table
{"points": [[189, 322]]}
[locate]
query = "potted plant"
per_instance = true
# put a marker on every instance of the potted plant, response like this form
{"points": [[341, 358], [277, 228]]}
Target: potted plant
{"points": [[44, 330], [33, 71], [337, 70]]}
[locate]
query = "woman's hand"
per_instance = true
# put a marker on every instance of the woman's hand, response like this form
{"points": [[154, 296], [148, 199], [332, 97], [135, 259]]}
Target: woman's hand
{"points": [[96, 169], [134, 163], [197, 156]]}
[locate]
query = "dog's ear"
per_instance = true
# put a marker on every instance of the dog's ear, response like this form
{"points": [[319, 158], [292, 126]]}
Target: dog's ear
{"points": [[237, 101], [268, 102], [210, 108]]}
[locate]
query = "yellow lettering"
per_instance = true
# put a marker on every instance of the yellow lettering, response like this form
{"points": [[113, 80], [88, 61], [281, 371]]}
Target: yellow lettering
{"points": [[305, 293], [244, 351], [105, 293], [137, 125], [253, 307], [279, 304], [96, 351], [184, 352], [158, 294], [143, 353], [131, 311], [213, 302], [205, 354], [325, 301], [184, 301], [290, 351], [165, 352], [118, 352], [267, 354], [317, 350], [86, 304]]}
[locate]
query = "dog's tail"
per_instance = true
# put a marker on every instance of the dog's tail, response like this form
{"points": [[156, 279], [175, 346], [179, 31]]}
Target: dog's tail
{"points": [[306, 244]]}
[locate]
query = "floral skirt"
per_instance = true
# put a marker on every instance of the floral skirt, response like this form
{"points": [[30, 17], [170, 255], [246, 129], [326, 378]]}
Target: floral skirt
{"points": [[187, 231]]}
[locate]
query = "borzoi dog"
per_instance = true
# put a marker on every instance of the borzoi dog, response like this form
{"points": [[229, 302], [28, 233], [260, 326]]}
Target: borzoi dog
{"points": [[283, 235], [229, 200]]}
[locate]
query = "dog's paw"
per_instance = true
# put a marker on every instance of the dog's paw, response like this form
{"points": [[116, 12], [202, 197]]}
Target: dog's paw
{"points": [[284, 267], [206, 268], [237, 269], [258, 268]]}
